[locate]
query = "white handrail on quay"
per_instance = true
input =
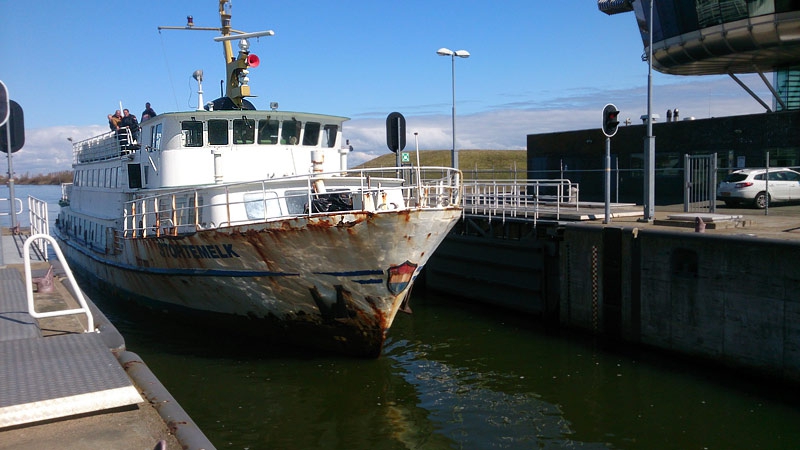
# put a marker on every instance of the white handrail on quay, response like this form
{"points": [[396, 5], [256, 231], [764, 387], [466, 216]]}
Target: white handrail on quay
{"points": [[84, 307], [17, 201], [526, 199], [40, 222]]}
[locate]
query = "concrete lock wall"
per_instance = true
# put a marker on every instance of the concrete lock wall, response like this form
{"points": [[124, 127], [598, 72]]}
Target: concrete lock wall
{"points": [[509, 274], [732, 299]]}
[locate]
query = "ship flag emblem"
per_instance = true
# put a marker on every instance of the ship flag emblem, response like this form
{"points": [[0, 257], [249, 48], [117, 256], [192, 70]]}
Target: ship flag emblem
{"points": [[400, 276]]}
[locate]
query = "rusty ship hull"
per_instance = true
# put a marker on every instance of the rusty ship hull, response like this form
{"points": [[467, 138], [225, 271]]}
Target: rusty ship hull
{"points": [[332, 282]]}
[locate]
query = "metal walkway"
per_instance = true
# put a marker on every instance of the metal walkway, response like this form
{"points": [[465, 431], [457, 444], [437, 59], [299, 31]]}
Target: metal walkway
{"points": [[52, 377], [66, 379], [60, 376]]}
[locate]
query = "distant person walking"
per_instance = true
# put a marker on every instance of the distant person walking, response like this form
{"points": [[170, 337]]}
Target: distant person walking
{"points": [[148, 112]]}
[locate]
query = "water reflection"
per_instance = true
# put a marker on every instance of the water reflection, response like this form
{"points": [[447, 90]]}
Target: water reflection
{"points": [[452, 376], [474, 377]]}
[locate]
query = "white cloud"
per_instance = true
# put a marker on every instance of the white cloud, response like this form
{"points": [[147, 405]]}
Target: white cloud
{"points": [[47, 150], [503, 128], [507, 126]]}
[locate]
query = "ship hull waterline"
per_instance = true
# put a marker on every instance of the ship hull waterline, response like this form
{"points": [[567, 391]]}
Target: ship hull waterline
{"points": [[333, 282]]}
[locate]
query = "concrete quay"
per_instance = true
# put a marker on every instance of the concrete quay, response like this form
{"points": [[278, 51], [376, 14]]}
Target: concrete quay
{"points": [[69, 389], [728, 293]]}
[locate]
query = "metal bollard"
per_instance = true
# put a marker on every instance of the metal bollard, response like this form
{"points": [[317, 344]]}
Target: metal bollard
{"points": [[699, 225]]}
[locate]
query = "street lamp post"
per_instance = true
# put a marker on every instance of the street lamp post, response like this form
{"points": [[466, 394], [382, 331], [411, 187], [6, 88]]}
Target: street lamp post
{"points": [[452, 54]]}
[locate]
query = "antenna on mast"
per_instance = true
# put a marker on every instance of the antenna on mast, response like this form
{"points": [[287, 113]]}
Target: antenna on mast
{"points": [[198, 75]]}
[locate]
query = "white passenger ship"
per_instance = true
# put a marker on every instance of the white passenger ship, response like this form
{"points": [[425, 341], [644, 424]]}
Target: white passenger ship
{"points": [[251, 218]]}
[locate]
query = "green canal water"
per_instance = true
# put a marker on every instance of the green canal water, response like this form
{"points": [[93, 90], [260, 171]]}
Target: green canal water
{"points": [[457, 376]]}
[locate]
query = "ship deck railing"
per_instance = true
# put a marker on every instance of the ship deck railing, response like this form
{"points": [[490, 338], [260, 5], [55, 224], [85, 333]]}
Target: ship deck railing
{"points": [[179, 212], [110, 145]]}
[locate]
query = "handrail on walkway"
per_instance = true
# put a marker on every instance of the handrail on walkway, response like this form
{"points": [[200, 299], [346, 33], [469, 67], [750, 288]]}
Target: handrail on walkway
{"points": [[40, 222], [84, 307], [17, 201], [526, 198]]}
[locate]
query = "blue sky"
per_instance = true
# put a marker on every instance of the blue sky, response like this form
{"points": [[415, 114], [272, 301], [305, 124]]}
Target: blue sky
{"points": [[535, 67]]}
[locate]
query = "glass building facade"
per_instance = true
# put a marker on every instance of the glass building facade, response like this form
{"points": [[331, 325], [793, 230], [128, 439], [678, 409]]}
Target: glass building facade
{"points": [[713, 37], [677, 17], [787, 84]]}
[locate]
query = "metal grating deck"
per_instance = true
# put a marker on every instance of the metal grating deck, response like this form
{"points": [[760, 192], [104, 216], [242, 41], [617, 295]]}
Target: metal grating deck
{"points": [[15, 322], [59, 376]]}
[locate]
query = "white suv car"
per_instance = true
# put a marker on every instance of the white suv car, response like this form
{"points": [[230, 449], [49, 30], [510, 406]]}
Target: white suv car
{"points": [[750, 186]]}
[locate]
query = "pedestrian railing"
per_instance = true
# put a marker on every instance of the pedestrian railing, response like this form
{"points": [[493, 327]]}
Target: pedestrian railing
{"points": [[38, 217], [525, 199], [82, 309]]}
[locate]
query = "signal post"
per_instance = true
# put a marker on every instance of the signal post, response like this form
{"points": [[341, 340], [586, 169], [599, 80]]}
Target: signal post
{"points": [[610, 124]]}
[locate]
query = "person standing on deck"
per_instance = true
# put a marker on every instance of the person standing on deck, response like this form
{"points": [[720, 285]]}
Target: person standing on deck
{"points": [[148, 112]]}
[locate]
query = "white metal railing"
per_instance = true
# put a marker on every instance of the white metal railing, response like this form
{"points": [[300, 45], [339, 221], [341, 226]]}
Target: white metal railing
{"points": [[373, 190], [84, 307], [66, 190], [17, 202], [38, 217], [526, 199], [700, 183], [105, 146]]}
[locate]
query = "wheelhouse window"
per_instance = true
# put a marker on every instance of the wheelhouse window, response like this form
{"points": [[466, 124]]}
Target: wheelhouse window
{"points": [[268, 131], [329, 135], [155, 137], [244, 131], [218, 132], [290, 132], [192, 133], [311, 136]]}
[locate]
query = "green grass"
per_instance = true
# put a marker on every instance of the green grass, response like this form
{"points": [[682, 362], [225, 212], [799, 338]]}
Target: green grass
{"points": [[476, 164]]}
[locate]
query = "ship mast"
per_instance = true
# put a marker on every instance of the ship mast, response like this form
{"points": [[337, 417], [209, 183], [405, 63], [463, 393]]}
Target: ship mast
{"points": [[236, 68], [225, 29]]}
